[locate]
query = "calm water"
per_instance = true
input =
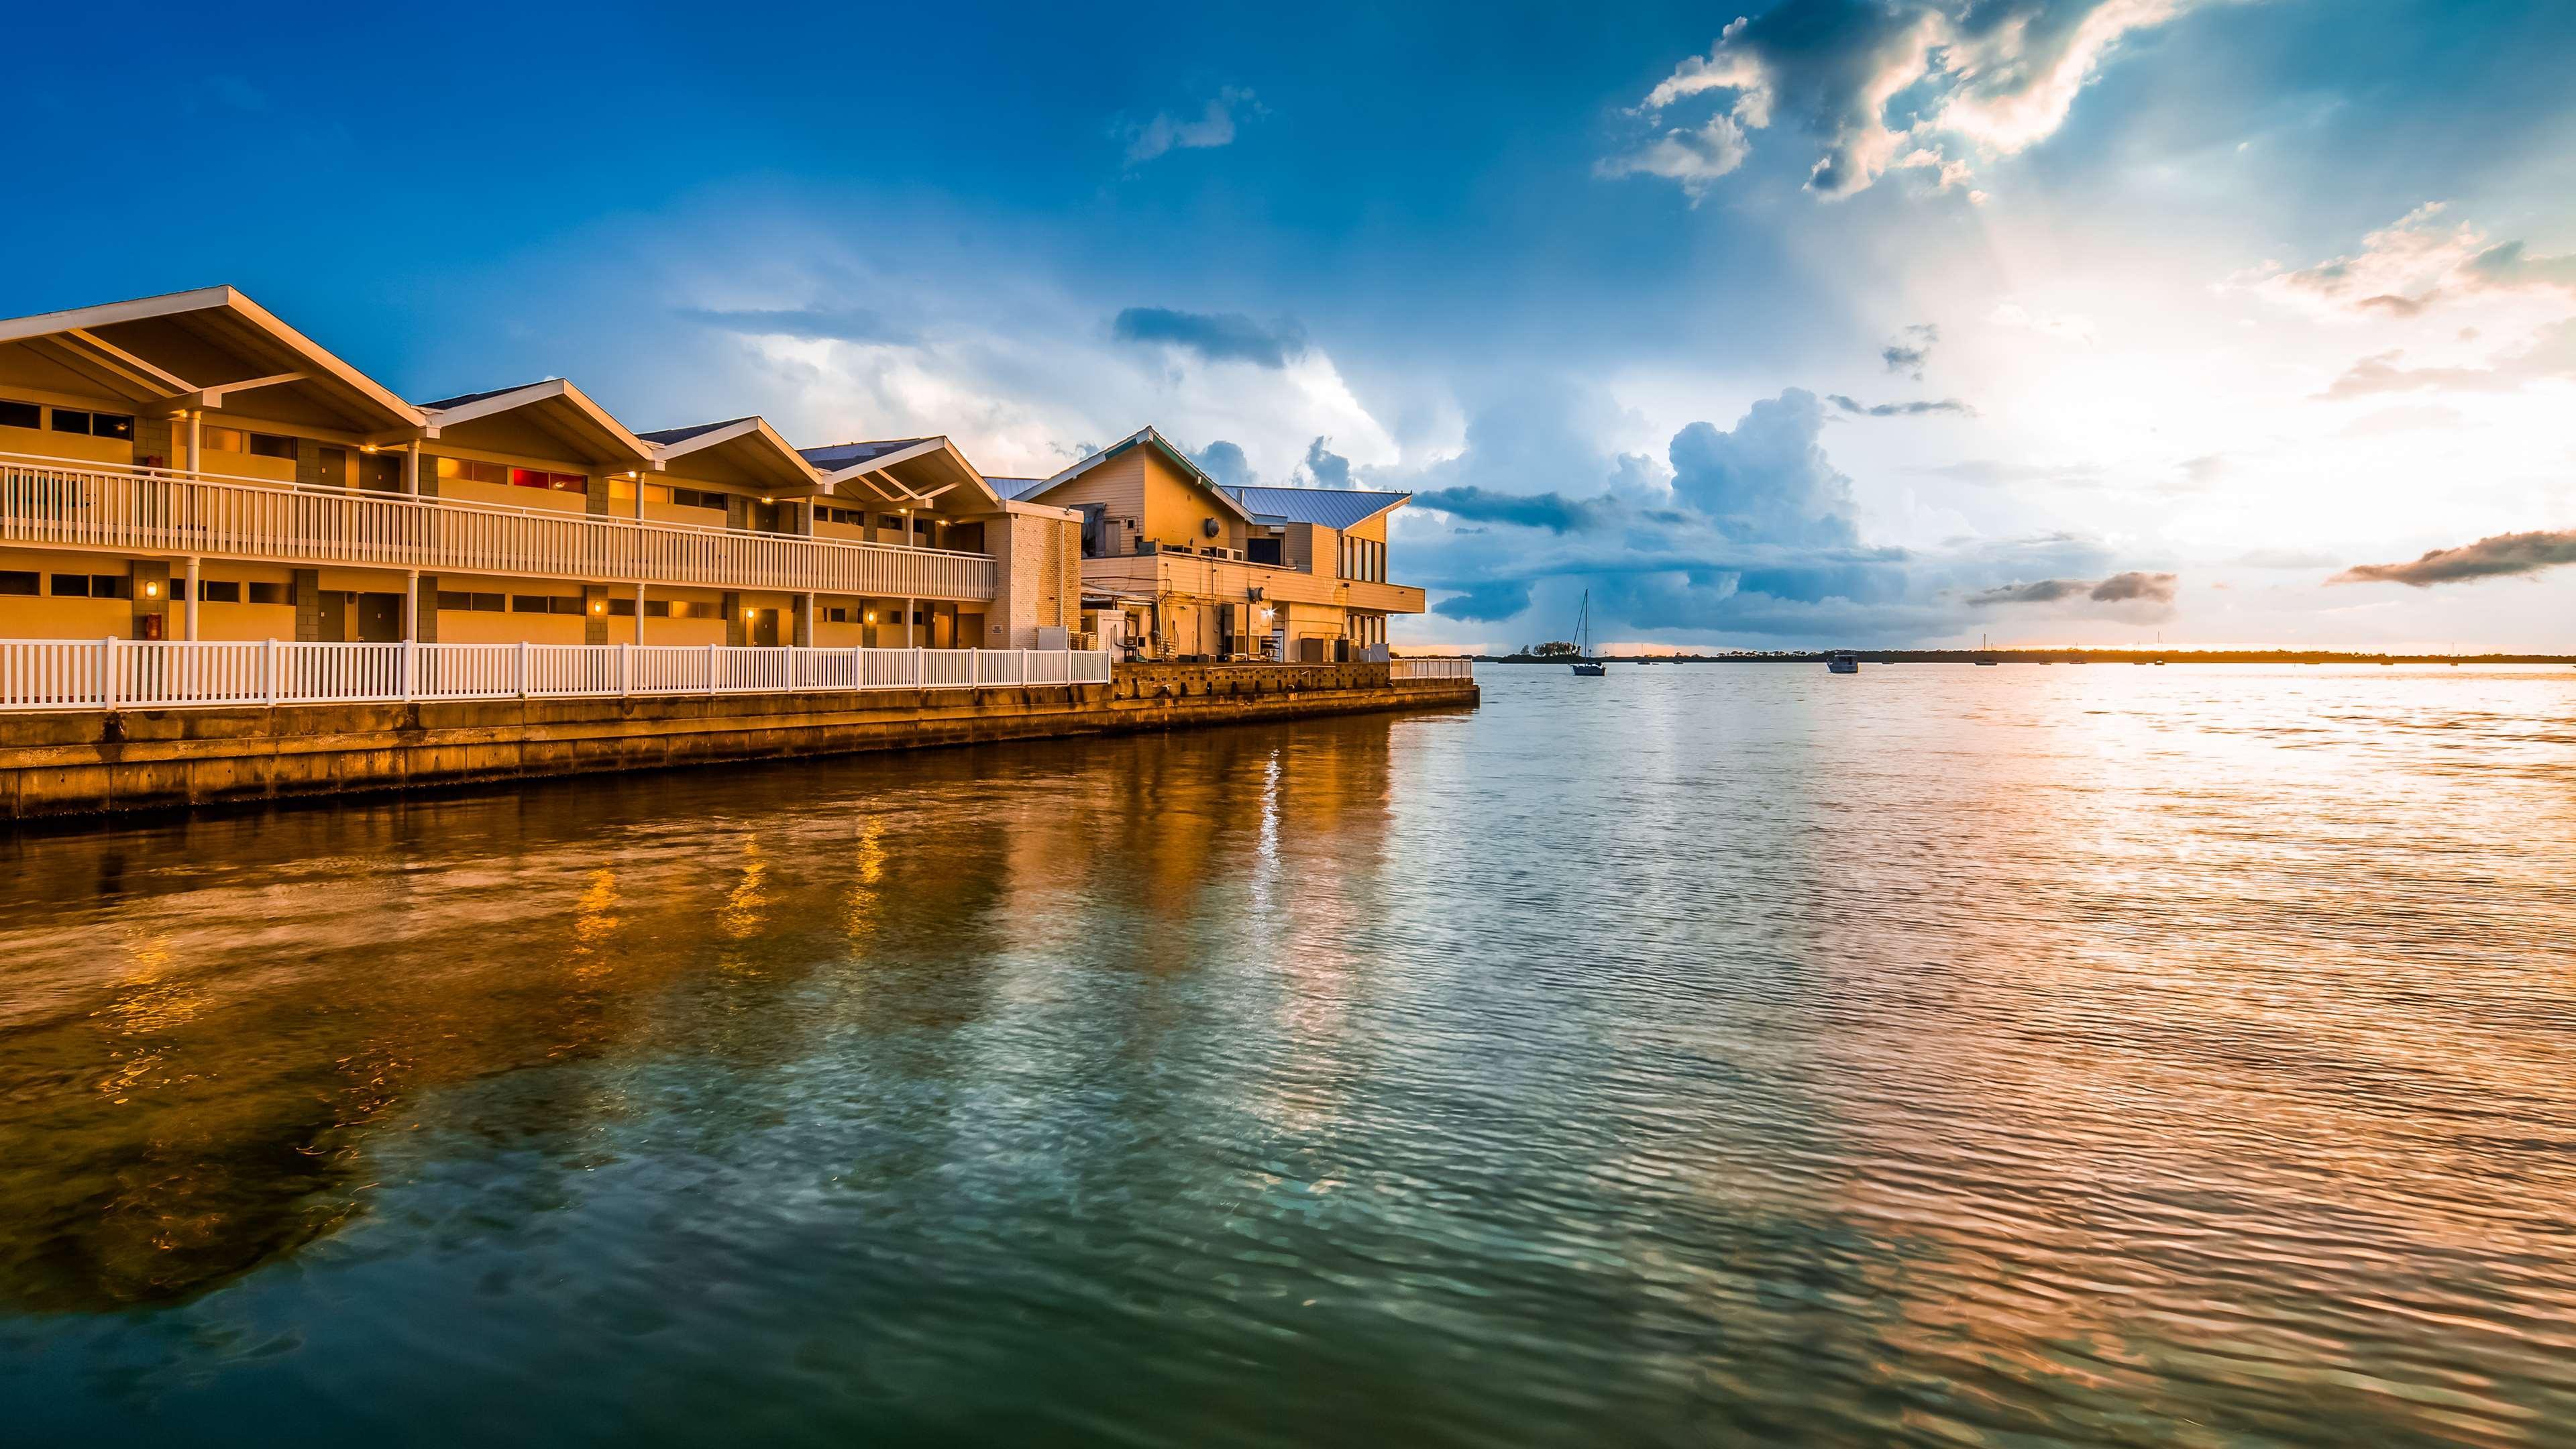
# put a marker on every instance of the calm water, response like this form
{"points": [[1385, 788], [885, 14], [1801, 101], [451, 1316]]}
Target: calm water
{"points": [[1943, 1056]]}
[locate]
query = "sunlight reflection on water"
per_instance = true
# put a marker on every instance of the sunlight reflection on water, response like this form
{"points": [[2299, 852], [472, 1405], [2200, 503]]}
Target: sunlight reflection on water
{"points": [[2094, 1055]]}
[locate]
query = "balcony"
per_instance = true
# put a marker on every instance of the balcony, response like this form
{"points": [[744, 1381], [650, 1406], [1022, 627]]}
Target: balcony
{"points": [[49, 503], [1173, 572]]}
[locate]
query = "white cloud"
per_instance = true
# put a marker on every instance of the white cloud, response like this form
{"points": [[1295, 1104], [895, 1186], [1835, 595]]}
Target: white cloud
{"points": [[1213, 127], [1996, 78], [2414, 263], [1693, 158]]}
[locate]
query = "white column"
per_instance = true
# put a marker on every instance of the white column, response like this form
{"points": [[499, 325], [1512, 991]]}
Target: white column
{"points": [[410, 607], [194, 588], [907, 619], [196, 435], [639, 589], [411, 469]]}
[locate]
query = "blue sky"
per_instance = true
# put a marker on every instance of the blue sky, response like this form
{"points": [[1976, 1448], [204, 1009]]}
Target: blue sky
{"points": [[2056, 320]]}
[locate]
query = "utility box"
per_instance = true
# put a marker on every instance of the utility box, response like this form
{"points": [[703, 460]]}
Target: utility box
{"points": [[1054, 636]]}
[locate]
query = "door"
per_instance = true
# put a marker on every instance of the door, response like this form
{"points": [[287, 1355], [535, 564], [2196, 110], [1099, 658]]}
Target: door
{"points": [[332, 623], [764, 627], [380, 472], [380, 618]]}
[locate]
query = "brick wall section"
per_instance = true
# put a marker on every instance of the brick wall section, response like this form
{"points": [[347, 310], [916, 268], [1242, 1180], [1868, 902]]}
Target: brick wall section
{"points": [[425, 610], [308, 605]]}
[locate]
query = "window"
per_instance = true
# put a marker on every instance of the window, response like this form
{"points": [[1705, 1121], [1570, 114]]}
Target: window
{"points": [[539, 478], [700, 611], [237, 440], [621, 608], [71, 586], [461, 602], [268, 594], [466, 470], [890, 520], [682, 497], [19, 581], [219, 591], [20, 415], [110, 586], [545, 603], [852, 517], [836, 616], [657, 608], [96, 425]]}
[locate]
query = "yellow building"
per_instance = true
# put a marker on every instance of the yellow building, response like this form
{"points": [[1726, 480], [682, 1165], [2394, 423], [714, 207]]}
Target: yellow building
{"points": [[190, 467], [1178, 566]]}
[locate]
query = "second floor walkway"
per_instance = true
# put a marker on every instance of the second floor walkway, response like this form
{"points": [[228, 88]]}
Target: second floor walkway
{"points": [[54, 504]]}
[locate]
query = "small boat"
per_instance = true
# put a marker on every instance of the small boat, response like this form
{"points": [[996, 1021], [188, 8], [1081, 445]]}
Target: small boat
{"points": [[1842, 661], [1584, 664]]}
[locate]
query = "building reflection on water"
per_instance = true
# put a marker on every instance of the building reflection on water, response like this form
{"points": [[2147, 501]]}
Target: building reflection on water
{"points": [[206, 1024]]}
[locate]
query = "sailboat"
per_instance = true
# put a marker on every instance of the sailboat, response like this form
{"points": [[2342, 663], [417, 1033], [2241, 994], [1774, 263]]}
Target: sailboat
{"points": [[1584, 663]]}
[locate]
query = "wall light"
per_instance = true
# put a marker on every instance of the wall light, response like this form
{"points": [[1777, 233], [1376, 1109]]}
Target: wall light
{"points": [[599, 606], [151, 591], [872, 616], [366, 447], [750, 614]]}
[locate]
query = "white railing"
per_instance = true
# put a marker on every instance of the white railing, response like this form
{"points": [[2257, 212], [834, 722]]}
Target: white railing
{"points": [[37, 674], [147, 510], [1431, 669]]}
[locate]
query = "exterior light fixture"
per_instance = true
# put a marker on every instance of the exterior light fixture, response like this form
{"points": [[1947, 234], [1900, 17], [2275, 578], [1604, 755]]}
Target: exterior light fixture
{"points": [[599, 606], [872, 616], [151, 591], [769, 500], [750, 614], [366, 447]]}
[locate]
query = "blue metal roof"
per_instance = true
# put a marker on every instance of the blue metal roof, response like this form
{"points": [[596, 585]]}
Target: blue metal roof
{"points": [[682, 435], [841, 455], [1329, 507]]}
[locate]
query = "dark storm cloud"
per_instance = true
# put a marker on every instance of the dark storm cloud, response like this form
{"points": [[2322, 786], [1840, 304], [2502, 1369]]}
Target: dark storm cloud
{"points": [[1326, 468], [2502, 556], [2124, 588], [1217, 337], [1225, 462], [1551, 511], [1487, 603]]}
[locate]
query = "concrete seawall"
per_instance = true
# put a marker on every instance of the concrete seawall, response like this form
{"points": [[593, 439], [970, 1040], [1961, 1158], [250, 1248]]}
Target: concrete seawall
{"points": [[92, 761]]}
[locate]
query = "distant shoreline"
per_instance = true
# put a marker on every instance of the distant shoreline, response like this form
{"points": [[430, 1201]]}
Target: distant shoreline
{"points": [[2042, 656]]}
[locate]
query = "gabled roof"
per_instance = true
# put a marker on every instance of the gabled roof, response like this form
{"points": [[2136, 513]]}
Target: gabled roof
{"points": [[682, 435], [553, 408], [1330, 507], [1147, 437], [864, 470], [199, 349], [834, 457], [1015, 488], [747, 451]]}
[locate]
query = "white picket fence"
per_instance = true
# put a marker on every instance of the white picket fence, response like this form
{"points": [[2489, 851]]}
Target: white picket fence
{"points": [[155, 674], [1431, 669]]}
